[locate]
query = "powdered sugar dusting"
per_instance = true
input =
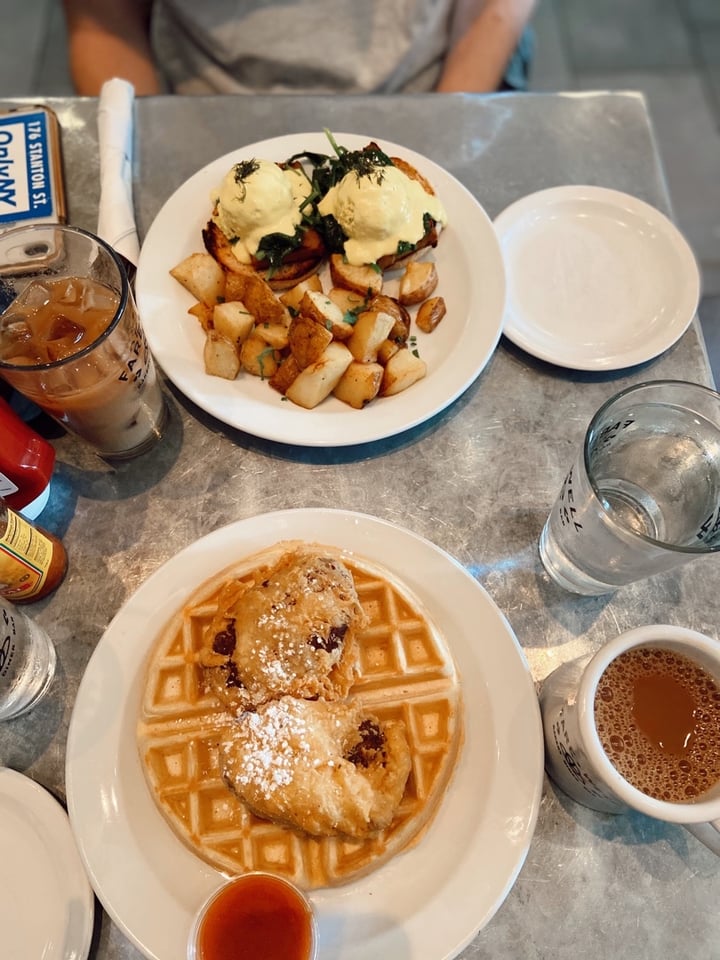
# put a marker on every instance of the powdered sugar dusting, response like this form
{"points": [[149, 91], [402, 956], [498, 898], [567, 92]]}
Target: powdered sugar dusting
{"points": [[291, 627], [272, 743]]}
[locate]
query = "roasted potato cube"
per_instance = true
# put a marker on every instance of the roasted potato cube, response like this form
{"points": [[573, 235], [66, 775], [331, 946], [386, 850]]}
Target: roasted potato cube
{"points": [[233, 320], [235, 286], [258, 296], [386, 350], [274, 334], [402, 370], [359, 384], [261, 301], [401, 328], [417, 282], [317, 381], [220, 356], [203, 312], [349, 301], [203, 276], [317, 306], [366, 280], [292, 297], [307, 340], [371, 328], [285, 374], [322, 310], [258, 358], [430, 313]]}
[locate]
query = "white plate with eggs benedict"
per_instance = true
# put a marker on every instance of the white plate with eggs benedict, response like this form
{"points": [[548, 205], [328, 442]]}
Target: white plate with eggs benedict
{"points": [[470, 281]]}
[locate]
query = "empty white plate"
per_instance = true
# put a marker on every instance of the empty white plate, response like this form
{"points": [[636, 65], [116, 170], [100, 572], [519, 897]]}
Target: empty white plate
{"points": [[597, 279], [47, 904]]}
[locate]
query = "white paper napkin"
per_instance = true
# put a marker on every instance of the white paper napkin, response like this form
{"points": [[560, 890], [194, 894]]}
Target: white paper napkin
{"points": [[116, 216]]}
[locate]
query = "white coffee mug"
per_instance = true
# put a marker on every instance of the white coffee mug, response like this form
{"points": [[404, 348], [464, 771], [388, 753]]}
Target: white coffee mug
{"points": [[574, 756]]}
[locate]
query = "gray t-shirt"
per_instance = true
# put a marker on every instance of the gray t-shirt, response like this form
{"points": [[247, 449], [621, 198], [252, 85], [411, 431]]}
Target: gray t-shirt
{"points": [[301, 46]]}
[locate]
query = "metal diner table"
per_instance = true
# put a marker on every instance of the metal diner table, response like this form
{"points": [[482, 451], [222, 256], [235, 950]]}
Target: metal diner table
{"points": [[477, 480]]}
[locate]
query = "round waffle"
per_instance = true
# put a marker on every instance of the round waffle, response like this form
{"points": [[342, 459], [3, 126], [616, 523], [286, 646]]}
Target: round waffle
{"points": [[405, 672]]}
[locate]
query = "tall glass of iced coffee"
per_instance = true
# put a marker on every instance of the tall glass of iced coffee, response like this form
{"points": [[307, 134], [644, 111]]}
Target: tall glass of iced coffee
{"points": [[71, 339]]}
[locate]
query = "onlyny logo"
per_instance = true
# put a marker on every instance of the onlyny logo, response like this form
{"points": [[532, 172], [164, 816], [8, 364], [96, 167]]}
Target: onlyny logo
{"points": [[25, 189]]}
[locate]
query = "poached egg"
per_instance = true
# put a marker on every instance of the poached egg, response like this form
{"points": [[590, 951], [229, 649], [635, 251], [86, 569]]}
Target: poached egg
{"points": [[379, 210], [257, 198]]}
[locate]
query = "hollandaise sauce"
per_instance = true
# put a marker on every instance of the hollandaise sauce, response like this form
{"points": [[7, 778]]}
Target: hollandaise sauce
{"points": [[379, 210], [257, 198]]}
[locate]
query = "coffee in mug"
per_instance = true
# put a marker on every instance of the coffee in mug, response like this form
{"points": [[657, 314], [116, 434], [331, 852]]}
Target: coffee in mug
{"points": [[657, 715], [636, 725]]}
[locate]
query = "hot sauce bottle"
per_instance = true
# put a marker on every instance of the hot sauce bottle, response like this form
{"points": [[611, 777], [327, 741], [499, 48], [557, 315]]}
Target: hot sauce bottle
{"points": [[33, 562]]}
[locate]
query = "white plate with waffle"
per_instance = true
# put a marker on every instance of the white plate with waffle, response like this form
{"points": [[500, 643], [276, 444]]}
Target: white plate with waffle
{"points": [[426, 902], [471, 280]]}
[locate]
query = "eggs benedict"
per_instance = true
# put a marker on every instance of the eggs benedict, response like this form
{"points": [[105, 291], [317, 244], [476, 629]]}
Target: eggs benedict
{"points": [[371, 208]]}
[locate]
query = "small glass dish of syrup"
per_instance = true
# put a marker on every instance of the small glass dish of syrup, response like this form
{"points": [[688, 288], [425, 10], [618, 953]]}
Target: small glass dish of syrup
{"points": [[256, 916]]}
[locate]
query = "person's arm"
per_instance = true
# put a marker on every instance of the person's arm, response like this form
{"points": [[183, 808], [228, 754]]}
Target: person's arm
{"points": [[110, 38], [477, 61]]}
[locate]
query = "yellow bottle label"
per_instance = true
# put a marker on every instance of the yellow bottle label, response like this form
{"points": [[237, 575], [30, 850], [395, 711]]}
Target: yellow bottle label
{"points": [[25, 558]]}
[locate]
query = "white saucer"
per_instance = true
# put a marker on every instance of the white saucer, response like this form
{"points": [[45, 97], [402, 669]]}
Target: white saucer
{"points": [[47, 904], [597, 279]]}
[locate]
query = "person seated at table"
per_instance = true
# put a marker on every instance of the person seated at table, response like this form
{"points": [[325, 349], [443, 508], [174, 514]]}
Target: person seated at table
{"points": [[300, 46]]}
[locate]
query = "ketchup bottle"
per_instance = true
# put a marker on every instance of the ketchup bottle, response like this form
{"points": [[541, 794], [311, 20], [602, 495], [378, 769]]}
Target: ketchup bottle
{"points": [[26, 464]]}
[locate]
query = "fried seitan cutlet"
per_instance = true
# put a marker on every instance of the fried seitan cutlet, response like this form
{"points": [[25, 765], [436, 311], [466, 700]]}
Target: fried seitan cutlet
{"points": [[290, 632], [330, 769]]}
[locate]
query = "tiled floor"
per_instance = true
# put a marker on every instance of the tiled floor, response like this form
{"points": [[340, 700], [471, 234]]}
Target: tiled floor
{"points": [[670, 49]]}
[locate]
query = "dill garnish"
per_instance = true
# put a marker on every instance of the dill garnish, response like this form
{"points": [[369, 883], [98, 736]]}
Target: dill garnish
{"points": [[241, 172], [327, 170]]}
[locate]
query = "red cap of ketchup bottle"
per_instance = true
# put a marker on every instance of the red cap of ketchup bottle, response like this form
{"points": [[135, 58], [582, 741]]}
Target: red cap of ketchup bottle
{"points": [[26, 464]]}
